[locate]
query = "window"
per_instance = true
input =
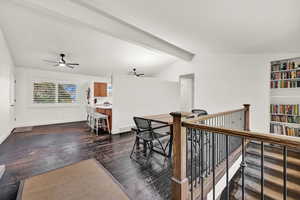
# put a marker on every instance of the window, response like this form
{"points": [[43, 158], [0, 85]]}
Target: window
{"points": [[54, 92]]}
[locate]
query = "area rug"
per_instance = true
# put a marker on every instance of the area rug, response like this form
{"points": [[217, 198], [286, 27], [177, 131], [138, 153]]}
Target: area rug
{"points": [[84, 180]]}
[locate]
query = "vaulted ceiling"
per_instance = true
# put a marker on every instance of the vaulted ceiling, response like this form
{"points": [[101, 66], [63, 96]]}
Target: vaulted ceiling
{"points": [[216, 26], [111, 36]]}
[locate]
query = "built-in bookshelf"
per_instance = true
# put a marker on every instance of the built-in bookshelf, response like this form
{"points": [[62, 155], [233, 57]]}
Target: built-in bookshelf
{"points": [[285, 74], [285, 97]]}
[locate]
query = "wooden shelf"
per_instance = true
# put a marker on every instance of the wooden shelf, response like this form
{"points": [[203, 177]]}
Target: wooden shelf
{"points": [[292, 125], [288, 70], [293, 79], [285, 114]]}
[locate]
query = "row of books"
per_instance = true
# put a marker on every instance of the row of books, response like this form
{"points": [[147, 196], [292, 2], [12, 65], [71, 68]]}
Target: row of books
{"points": [[292, 109], [285, 66], [285, 75], [284, 130], [285, 84], [286, 119]]}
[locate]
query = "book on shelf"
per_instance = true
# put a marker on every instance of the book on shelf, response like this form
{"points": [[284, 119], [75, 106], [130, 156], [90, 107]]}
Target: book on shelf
{"points": [[286, 119], [284, 130], [285, 83], [282, 66], [285, 75], [290, 109]]}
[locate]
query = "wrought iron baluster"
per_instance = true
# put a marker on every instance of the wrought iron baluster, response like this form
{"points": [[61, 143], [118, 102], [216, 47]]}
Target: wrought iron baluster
{"points": [[243, 165], [206, 153], [195, 143], [213, 166], [209, 149], [262, 171], [284, 172], [187, 150], [199, 134], [202, 165], [227, 167], [192, 178]]}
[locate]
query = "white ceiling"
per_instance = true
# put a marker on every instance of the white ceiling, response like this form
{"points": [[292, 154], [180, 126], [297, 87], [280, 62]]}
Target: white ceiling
{"points": [[216, 26], [33, 36], [200, 26]]}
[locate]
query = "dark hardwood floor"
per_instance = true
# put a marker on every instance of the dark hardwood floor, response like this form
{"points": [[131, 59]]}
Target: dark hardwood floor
{"points": [[50, 147]]}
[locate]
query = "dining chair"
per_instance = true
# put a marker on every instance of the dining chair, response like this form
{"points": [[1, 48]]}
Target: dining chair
{"points": [[151, 138], [199, 112]]}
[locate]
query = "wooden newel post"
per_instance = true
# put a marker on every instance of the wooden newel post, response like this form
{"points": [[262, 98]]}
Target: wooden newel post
{"points": [[179, 179], [247, 117]]}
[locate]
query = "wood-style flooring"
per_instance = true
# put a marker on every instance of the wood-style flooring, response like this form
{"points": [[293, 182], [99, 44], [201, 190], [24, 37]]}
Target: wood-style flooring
{"points": [[50, 147]]}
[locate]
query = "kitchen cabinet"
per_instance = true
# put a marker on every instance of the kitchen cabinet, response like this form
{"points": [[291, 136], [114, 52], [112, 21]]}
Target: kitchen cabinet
{"points": [[108, 112], [100, 89]]}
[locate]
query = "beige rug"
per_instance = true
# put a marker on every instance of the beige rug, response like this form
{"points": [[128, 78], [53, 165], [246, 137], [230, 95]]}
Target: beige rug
{"points": [[84, 180]]}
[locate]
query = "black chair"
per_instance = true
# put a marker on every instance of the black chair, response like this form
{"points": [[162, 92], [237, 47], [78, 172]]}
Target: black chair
{"points": [[196, 137], [199, 112], [151, 139]]}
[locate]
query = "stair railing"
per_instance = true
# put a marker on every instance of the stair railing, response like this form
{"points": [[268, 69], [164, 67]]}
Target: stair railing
{"points": [[205, 148]]}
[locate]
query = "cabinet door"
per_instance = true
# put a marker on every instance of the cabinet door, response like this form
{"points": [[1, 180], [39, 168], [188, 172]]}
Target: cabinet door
{"points": [[100, 89]]}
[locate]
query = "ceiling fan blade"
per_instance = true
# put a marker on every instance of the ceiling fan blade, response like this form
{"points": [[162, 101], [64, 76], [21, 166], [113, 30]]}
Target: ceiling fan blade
{"points": [[50, 61], [72, 64]]}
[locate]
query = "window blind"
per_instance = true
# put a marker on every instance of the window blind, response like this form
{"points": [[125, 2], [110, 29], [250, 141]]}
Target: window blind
{"points": [[44, 92], [67, 93], [54, 92]]}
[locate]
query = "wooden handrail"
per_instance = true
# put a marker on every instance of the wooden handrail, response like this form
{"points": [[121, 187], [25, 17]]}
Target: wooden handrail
{"points": [[179, 177], [265, 137], [210, 116]]}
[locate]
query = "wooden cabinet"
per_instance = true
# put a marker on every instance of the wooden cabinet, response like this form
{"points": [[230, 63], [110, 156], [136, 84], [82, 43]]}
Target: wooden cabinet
{"points": [[100, 89], [108, 112]]}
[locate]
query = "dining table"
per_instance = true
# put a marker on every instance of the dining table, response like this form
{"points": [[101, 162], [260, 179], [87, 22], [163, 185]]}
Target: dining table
{"points": [[167, 120]]}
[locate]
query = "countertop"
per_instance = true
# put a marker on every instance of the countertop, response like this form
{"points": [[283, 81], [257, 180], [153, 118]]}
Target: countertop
{"points": [[102, 106]]}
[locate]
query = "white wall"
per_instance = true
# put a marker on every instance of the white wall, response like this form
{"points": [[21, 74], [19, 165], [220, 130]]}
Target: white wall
{"points": [[30, 115], [139, 97], [6, 80], [225, 82]]}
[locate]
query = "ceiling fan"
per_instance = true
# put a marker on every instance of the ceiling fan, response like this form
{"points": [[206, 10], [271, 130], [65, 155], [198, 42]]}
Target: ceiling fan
{"points": [[134, 72], [62, 62]]}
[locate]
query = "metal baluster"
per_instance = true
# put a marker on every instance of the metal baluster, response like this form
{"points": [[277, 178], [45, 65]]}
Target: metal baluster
{"points": [[195, 140], [213, 166], [227, 167], [202, 164], [206, 153], [199, 154], [209, 149], [192, 178], [243, 165], [218, 149], [187, 150], [262, 171], [284, 173]]}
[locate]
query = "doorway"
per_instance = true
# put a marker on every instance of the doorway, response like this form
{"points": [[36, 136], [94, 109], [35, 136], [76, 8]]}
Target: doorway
{"points": [[187, 85]]}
